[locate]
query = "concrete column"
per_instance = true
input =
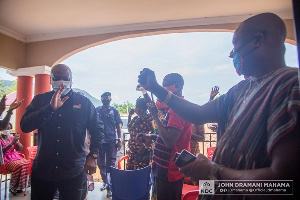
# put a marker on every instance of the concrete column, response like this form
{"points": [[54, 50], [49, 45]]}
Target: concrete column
{"points": [[42, 83], [24, 91]]}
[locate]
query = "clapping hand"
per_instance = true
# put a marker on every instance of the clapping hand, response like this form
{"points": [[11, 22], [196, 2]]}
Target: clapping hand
{"points": [[16, 138], [15, 104]]}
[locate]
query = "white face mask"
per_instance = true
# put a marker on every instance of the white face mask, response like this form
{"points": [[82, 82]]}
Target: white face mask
{"points": [[6, 132], [67, 84]]}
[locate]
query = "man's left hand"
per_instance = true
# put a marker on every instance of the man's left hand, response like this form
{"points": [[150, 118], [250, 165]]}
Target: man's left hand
{"points": [[90, 165], [199, 169], [119, 145], [152, 109]]}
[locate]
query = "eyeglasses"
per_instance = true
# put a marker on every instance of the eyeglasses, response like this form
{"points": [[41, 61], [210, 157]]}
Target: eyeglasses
{"points": [[58, 78], [232, 52]]}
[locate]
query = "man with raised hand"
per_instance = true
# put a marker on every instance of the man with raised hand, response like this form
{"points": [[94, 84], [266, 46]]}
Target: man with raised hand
{"points": [[62, 117], [258, 119], [174, 135]]}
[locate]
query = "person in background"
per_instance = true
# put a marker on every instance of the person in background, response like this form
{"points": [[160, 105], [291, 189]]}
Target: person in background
{"points": [[62, 117], [214, 94], [112, 140], [14, 162], [140, 148], [197, 136], [174, 135], [258, 118], [14, 105]]}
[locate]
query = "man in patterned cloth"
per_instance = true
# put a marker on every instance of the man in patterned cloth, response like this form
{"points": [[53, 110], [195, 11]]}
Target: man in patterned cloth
{"points": [[258, 119]]}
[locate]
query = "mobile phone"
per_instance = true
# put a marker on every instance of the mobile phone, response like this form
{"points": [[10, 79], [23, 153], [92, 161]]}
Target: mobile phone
{"points": [[12, 133], [183, 158]]}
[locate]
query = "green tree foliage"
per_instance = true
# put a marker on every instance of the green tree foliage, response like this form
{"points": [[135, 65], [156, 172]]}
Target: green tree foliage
{"points": [[123, 108], [5, 90]]}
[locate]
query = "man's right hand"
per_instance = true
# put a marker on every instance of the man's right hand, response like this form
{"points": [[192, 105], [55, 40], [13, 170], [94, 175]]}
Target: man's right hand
{"points": [[153, 110], [56, 102], [90, 165], [148, 80]]}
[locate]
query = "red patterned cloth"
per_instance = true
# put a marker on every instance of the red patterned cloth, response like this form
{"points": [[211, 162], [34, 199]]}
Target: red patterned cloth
{"points": [[17, 165], [138, 125]]}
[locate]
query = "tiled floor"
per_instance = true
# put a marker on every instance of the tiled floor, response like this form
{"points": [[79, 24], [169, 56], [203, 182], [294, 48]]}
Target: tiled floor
{"points": [[93, 195]]}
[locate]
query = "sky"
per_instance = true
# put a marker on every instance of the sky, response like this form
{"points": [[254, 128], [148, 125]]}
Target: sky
{"points": [[201, 58]]}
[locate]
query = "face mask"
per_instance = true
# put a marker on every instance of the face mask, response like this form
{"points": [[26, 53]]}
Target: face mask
{"points": [[56, 84], [6, 132], [172, 88], [238, 63], [105, 102]]}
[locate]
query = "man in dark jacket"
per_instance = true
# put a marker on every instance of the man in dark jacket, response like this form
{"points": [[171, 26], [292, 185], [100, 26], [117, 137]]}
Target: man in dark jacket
{"points": [[62, 117]]}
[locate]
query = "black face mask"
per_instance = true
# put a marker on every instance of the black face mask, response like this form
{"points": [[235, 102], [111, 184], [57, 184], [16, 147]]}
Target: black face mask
{"points": [[105, 102]]}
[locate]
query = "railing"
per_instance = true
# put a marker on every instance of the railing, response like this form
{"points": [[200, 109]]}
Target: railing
{"points": [[209, 141]]}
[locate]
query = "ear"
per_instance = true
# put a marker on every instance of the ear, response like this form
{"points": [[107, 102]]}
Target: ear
{"points": [[178, 86], [259, 39]]}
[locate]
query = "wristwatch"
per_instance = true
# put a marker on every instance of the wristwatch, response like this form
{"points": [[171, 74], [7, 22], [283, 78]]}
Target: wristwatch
{"points": [[214, 173], [93, 154]]}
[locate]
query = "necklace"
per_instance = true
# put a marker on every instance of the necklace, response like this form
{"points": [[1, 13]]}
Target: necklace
{"points": [[3, 139]]}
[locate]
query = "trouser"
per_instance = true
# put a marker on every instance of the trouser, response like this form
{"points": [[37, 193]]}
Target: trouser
{"points": [[166, 190], [107, 157], [68, 189], [84, 187]]}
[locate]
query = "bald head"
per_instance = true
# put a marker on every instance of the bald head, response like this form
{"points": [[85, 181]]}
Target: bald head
{"points": [[259, 44], [61, 67], [61, 71], [268, 24]]}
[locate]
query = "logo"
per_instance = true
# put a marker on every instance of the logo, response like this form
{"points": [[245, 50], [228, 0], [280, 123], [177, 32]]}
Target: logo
{"points": [[76, 107], [206, 187]]}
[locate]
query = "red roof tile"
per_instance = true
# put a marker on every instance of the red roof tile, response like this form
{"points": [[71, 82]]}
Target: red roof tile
{"points": [[10, 98]]}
